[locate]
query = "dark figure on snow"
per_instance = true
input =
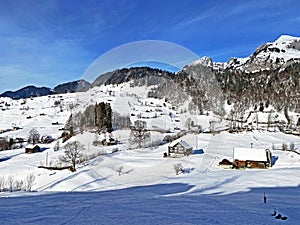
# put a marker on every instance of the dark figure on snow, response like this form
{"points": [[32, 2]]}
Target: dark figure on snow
{"points": [[265, 198], [274, 213]]}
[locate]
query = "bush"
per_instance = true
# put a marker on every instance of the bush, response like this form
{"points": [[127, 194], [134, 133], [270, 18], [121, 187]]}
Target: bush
{"points": [[178, 168], [284, 147], [292, 146], [56, 147]]}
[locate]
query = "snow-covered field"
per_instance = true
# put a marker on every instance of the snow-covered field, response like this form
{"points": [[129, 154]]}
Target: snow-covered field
{"points": [[147, 190]]}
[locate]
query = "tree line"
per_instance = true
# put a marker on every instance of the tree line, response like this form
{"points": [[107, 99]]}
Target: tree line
{"points": [[97, 116]]}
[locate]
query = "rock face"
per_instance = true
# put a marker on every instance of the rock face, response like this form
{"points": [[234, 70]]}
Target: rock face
{"points": [[270, 56]]}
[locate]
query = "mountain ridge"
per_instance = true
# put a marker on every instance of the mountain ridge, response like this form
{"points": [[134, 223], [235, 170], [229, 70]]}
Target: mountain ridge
{"points": [[269, 76], [271, 55], [33, 91]]}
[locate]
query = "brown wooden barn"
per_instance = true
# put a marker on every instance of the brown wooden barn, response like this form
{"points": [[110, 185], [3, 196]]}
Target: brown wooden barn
{"points": [[251, 158], [179, 148], [32, 148]]}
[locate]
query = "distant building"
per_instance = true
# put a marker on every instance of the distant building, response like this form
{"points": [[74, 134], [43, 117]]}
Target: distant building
{"points": [[252, 158], [179, 148], [225, 163], [109, 141], [32, 148], [47, 139]]}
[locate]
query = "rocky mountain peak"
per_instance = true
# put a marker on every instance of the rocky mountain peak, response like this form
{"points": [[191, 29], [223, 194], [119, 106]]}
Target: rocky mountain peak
{"points": [[272, 55], [205, 61]]}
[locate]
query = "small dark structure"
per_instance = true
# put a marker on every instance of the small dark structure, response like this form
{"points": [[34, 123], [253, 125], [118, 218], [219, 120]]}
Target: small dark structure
{"points": [[225, 163], [252, 158], [57, 168], [109, 142], [32, 149], [179, 148], [47, 139]]}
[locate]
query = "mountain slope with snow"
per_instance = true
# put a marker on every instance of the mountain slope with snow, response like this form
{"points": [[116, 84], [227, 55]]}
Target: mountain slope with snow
{"points": [[120, 185], [272, 55]]}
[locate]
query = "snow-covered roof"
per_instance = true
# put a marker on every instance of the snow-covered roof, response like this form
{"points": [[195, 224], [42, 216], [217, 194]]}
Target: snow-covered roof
{"points": [[183, 143], [30, 146], [253, 154]]}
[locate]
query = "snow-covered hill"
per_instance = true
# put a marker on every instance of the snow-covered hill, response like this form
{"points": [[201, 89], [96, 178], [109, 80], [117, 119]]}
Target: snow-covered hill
{"points": [[203, 194], [272, 55]]}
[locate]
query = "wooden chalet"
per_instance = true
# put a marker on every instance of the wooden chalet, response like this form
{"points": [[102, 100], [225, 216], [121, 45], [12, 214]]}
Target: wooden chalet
{"points": [[32, 148], [179, 148], [251, 158]]}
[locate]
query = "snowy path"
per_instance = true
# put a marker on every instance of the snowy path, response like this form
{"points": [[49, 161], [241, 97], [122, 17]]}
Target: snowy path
{"points": [[211, 154]]}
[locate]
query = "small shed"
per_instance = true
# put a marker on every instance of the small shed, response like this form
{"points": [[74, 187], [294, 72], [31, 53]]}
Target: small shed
{"points": [[47, 139], [225, 163], [32, 148], [252, 158], [179, 148]]}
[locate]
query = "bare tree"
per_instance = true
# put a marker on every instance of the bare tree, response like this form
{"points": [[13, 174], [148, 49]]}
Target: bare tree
{"points": [[29, 182], [188, 123], [10, 183], [34, 136], [56, 146], [178, 168], [284, 147], [120, 170], [72, 153], [2, 183], [270, 120], [19, 184], [292, 146], [139, 134]]}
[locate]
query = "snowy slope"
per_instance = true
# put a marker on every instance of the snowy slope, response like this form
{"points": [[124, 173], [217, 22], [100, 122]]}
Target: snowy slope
{"points": [[284, 50], [147, 188], [149, 191]]}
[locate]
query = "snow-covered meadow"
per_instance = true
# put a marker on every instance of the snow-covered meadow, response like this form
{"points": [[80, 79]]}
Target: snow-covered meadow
{"points": [[146, 190]]}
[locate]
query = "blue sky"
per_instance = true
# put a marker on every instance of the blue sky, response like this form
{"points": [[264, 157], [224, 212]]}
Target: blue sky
{"points": [[53, 41]]}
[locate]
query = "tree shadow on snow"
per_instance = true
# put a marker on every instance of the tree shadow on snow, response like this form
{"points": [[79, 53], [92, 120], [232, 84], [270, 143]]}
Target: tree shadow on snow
{"points": [[5, 158], [150, 205]]}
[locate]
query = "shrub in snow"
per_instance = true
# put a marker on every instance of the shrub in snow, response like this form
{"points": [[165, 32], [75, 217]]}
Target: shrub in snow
{"points": [[178, 168], [292, 146], [284, 146], [2, 183], [120, 170], [10, 183], [29, 182], [56, 147]]}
